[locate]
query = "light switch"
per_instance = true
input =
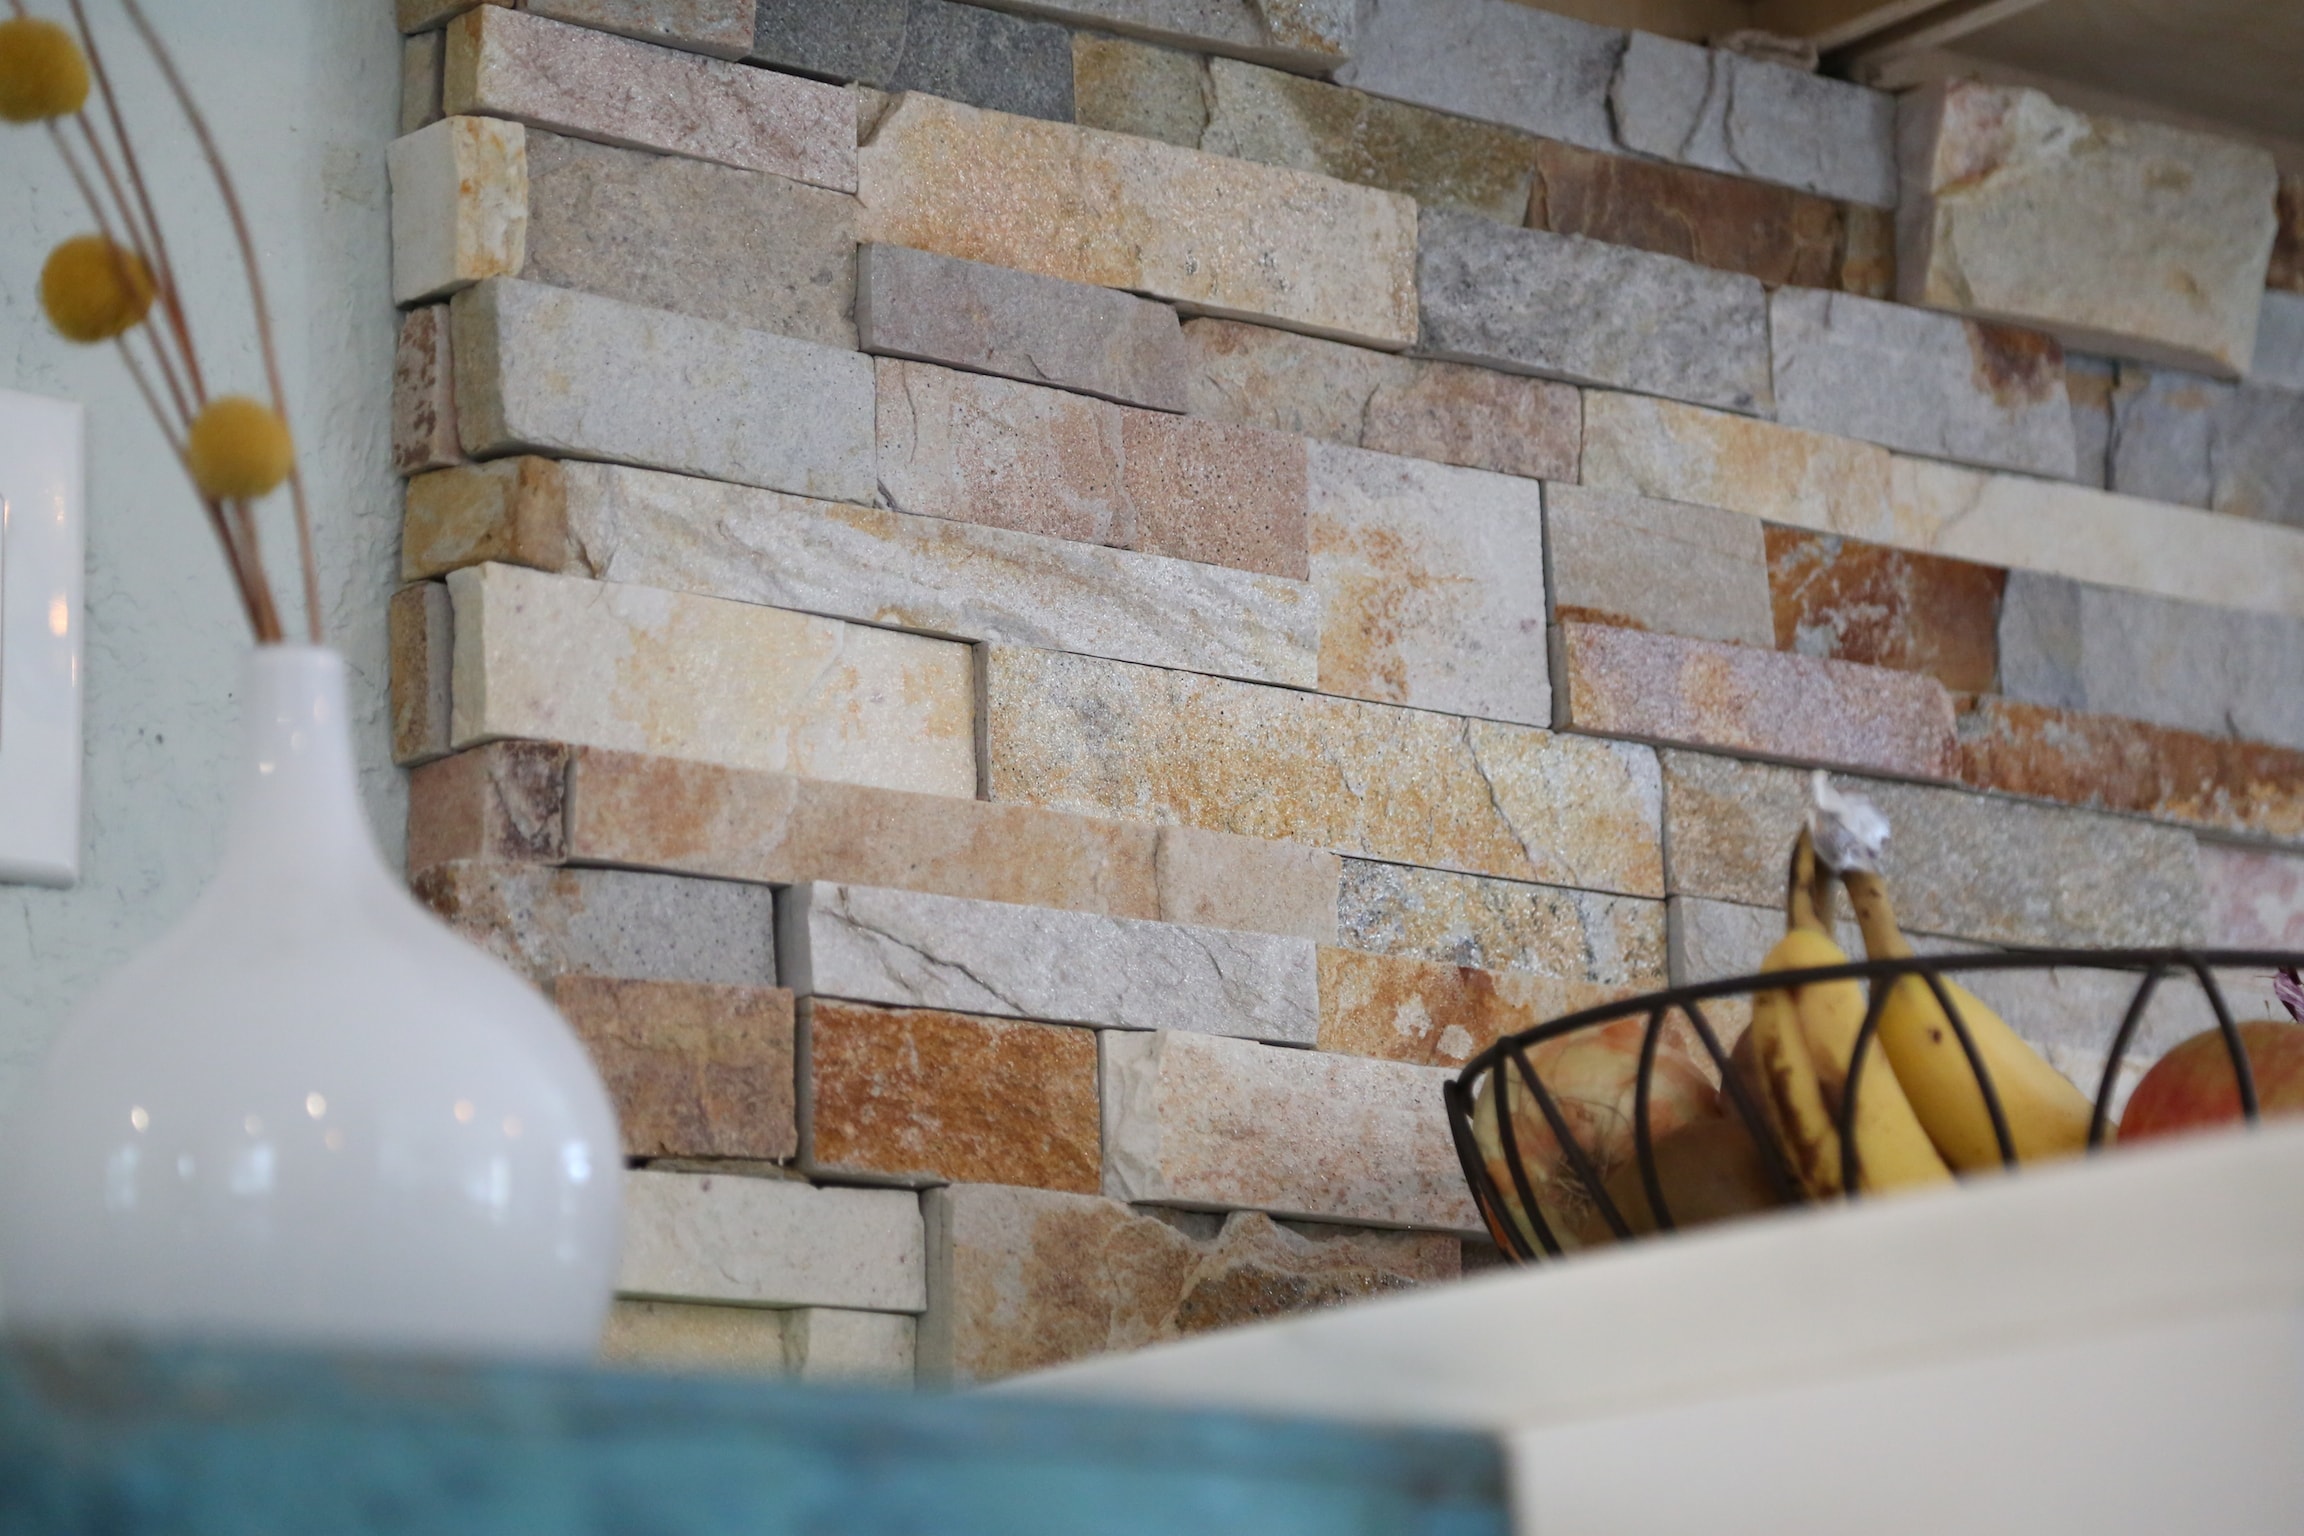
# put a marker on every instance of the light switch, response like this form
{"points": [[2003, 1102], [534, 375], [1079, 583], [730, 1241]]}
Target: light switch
{"points": [[43, 497]]}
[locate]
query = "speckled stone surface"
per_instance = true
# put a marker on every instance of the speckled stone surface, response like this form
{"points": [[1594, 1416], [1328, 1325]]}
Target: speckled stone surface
{"points": [[694, 1070], [742, 247], [607, 665], [459, 206], [2123, 237], [1020, 325], [1446, 412], [1667, 688], [960, 52], [1202, 1121], [1042, 461], [721, 28], [1310, 35], [1431, 583], [768, 1242], [1958, 863], [1679, 453], [1370, 779], [909, 949], [1022, 1279], [594, 85], [546, 923], [505, 802], [424, 394], [1436, 1015], [1991, 395], [1720, 110], [925, 1096], [1501, 925], [1852, 601], [1492, 61], [1685, 570], [548, 370], [1534, 302], [511, 510], [1219, 235]]}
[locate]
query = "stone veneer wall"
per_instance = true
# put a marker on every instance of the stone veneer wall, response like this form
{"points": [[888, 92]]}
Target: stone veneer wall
{"points": [[1034, 659]]}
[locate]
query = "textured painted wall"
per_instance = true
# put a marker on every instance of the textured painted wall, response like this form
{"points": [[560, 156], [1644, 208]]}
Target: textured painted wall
{"points": [[302, 94]]}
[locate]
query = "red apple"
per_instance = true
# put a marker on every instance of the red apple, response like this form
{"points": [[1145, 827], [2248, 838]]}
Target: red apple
{"points": [[2194, 1088]]}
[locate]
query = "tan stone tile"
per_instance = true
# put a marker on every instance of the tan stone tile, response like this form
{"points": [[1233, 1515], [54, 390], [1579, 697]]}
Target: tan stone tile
{"points": [[424, 393], [503, 803], [1617, 558], [1501, 925], [420, 626], [513, 511], [1210, 491], [679, 1336], [1125, 86], [1217, 880], [1677, 452], [1219, 235], [694, 1070], [1436, 1015], [1457, 414], [922, 1095], [459, 206], [721, 28]]}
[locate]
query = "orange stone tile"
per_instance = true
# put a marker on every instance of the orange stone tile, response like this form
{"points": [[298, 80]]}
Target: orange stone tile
{"points": [[1773, 233], [503, 802], [1847, 600], [920, 1094], [695, 1070]]}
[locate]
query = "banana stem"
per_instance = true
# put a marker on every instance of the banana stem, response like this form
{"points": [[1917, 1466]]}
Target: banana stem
{"points": [[1807, 888], [1875, 915]]}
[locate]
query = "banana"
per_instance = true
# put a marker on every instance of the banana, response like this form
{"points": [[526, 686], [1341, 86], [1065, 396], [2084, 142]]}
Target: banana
{"points": [[2047, 1117]]}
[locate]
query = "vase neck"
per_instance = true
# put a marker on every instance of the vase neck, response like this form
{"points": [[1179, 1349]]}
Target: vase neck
{"points": [[297, 814]]}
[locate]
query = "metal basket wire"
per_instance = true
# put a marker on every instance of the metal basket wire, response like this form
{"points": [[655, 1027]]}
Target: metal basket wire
{"points": [[1511, 1056]]}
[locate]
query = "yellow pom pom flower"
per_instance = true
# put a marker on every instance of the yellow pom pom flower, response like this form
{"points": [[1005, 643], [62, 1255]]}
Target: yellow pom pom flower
{"points": [[238, 449], [93, 289], [41, 71]]}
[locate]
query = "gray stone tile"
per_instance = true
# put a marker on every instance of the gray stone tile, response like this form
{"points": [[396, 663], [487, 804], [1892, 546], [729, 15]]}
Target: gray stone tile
{"points": [[960, 52], [2279, 359], [1493, 60], [546, 369], [1924, 382], [546, 923], [2200, 442], [1500, 925], [1725, 112], [2089, 382], [1310, 35], [1020, 325], [1661, 565], [908, 949], [1535, 302], [742, 247]]}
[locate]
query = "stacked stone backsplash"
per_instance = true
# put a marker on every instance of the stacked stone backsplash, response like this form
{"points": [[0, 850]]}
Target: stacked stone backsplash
{"points": [[1036, 617]]}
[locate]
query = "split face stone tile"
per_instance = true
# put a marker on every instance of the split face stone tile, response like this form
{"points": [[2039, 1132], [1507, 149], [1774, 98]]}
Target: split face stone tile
{"points": [[2255, 899], [1541, 931], [1102, 738], [771, 1243], [2182, 438], [1931, 384], [593, 85], [922, 1095], [1214, 1124], [676, 1336], [1674, 452], [1124, 86], [514, 511], [2198, 668], [1846, 600], [908, 949], [1959, 863], [1019, 325], [605, 665], [459, 206], [505, 802], [834, 1344], [1446, 412], [960, 52], [2285, 271], [2279, 360], [2124, 237], [1217, 880], [1023, 1279], [1431, 1014], [1220, 236], [720, 28], [420, 638], [1727, 222], [1618, 558], [424, 395], [543, 369], [1005, 454], [1492, 61], [546, 923], [1535, 302], [1431, 583], [1309, 35], [924, 573], [420, 58], [2114, 764], [1667, 688], [740, 247], [2091, 536], [694, 1070], [1725, 112]]}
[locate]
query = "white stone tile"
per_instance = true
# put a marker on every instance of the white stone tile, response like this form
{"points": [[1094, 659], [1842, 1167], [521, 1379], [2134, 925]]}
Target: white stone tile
{"points": [[459, 206]]}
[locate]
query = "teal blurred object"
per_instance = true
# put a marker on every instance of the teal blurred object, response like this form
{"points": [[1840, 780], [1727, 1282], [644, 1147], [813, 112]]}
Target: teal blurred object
{"points": [[129, 1441]]}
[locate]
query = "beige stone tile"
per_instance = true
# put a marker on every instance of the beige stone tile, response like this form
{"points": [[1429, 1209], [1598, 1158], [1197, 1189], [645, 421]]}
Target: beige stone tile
{"points": [[1433, 1014], [512, 511], [548, 923], [678, 1336], [1218, 880], [1676, 452], [721, 28], [1501, 925], [832, 1344], [770, 1243], [694, 1070], [459, 206], [1684, 570]]}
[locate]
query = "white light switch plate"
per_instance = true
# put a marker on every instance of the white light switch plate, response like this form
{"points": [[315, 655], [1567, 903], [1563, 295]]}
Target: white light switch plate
{"points": [[43, 498]]}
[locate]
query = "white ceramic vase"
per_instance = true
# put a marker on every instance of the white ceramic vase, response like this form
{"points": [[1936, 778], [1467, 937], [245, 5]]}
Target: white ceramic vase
{"points": [[311, 1113]]}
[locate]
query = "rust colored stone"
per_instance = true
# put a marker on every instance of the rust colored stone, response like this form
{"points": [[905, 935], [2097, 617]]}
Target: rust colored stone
{"points": [[2287, 268], [1772, 233], [2112, 764], [2016, 367], [502, 802], [1846, 600], [695, 1070], [420, 630], [1435, 1014], [934, 1096], [424, 394]]}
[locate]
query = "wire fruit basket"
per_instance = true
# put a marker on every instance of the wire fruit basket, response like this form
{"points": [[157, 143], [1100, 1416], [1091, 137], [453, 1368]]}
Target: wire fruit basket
{"points": [[1556, 1171]]}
